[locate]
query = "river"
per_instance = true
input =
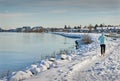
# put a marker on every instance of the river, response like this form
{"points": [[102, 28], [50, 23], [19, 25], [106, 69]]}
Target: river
{"points": [[19, 50]]}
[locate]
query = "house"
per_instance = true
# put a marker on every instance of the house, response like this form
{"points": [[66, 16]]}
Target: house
{"points": [[108, 29], [0, 29], [26, 29], [84, 29], [18, 29], [37, 29]]}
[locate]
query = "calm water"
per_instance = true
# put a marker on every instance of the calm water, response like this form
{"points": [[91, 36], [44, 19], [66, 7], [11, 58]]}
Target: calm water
{"points": [[18, 50]]}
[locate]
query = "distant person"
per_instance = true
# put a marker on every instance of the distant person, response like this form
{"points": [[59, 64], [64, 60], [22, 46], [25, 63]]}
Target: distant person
{"points": [[77, 45], [102, 40]]}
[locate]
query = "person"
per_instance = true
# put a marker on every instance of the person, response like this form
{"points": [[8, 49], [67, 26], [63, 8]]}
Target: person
{"points": [[102, 40], [76, 42]]}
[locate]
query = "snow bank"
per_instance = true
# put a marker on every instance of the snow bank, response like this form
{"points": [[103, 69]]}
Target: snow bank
{"points": [[40, 67], [70, 35], [34, 69], [37, 68], [21, 75], [1, 80]]}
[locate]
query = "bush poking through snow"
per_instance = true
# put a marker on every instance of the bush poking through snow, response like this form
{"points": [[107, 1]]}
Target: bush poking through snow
{"points": [[86, 39]]}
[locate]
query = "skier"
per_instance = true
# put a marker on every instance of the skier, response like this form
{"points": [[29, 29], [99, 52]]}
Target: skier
{"points": [[102, 40]]}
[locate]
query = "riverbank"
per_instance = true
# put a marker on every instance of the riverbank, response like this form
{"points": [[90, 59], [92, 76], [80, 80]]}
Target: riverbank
{"points": [[85, 60], [19, 50]]}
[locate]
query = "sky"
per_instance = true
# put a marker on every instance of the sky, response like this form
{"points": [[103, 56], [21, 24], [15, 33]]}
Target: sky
{"points": [[57, 13]]}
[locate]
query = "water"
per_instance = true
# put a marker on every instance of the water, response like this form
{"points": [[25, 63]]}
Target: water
{"points": [[18, 50]]}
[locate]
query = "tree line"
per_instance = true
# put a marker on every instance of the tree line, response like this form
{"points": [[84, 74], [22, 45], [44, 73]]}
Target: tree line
{"points": [[89, 26]]}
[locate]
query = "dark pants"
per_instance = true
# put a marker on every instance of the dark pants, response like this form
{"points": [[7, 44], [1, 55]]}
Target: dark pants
{"points": [[102, 48]]}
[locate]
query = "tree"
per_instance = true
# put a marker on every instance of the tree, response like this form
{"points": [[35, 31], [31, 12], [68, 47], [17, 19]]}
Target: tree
{"points": [[79, 27], [65, 27], [101, 25], [95, 26], [75, 27], [69, 27], [90, 28]]}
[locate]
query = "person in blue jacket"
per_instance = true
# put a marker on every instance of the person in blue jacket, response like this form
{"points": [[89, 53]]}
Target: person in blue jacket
{"points": [[102, 40]]}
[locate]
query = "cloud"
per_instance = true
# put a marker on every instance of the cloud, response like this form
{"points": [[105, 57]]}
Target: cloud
{"points": [[59, 6], [58, 11], [16, 15], [5, 15], [62, 4]]}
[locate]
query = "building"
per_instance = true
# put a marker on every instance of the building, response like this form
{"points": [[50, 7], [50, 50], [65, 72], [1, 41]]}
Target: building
{"points": [[26, 29], [37, 29], [107, 29], [0, 29]]}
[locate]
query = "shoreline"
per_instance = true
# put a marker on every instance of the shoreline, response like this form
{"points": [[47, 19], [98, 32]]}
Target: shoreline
{"points": [[8, 74], [54, 56], [37, 49], [58, 57], [80, 55]]}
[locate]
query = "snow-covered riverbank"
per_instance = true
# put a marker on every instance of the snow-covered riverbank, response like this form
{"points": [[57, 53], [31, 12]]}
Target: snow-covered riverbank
{"points": [[81, 65]]}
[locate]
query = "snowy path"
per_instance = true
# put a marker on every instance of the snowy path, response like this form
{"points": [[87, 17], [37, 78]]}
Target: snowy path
{"points": [[91, 68], [99, 68]]}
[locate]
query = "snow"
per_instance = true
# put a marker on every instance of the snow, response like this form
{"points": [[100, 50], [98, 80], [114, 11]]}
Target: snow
{"points": [[21, 75], [63, 56], [85, 64], [104, 69]]}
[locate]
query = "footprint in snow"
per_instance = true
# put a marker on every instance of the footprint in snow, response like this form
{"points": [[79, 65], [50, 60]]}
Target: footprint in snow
{"points": [[59, 74], [55, 78], [65, 75], [60, 71], [65, 80]]}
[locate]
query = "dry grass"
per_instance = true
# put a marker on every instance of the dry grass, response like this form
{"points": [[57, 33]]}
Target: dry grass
{"points": [[86, 39]]}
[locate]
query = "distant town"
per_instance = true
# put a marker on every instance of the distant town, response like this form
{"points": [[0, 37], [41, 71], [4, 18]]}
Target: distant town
{"points": [[82, 29]]}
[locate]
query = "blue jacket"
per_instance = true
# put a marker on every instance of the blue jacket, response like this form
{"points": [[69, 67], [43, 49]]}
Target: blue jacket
{"points": [[102, 39]]}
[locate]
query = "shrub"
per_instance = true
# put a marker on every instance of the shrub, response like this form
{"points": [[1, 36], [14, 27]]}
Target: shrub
{"points": [[86, 39]]}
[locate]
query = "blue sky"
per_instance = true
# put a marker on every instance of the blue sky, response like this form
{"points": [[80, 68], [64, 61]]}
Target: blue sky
{"points": [[57, 13]]}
